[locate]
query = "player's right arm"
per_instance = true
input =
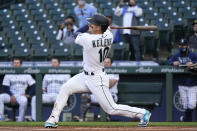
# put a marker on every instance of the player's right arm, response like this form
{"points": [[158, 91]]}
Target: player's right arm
{"points": [[81, 30], [6, 88], [174, 60], [44, 84]]}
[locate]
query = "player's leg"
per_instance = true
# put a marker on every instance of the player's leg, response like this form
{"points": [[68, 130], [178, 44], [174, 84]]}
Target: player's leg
{"points": [[75, 85], [183, 95], [22, 101], [192, 97], [4, 98], [100, 90], [33, 108], [46, 98], [84, 106], [135, 41], [191, 100]]}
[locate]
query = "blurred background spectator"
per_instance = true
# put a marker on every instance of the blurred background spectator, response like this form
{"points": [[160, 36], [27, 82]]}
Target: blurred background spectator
{"points": [[187, 85], [83, 11], [66, 30], [130, 17], [193, 38]]}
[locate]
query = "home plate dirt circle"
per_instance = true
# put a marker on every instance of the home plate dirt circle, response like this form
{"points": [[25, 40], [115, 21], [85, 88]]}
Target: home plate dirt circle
{"points": [[66, 128]]}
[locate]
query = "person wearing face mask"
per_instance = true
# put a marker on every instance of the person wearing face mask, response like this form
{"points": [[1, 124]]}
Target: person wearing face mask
{"points": [[130, 15], [83, 11], [187, 85], [66, 31], [193, 38]]}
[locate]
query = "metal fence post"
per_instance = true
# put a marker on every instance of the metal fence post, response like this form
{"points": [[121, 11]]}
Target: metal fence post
{"points": [[38, 97], [169, 97]]}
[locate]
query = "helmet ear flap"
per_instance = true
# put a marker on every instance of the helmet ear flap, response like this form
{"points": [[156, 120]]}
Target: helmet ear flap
{"points": [[104, 28]]}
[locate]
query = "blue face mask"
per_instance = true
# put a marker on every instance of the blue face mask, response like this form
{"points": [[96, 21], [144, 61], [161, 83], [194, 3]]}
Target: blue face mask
{"points": [[81, 2], [183, 49]]}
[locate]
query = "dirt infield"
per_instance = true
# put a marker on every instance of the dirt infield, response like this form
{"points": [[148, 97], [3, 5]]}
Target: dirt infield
{"points": [[64, 128]]}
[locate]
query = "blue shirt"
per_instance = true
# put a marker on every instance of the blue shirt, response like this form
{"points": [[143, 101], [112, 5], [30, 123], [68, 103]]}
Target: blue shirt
{"points": [[82, 13], [190, 57]]}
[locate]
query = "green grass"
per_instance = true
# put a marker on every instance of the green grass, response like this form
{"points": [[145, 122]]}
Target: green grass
{"points": [[103, 124]]}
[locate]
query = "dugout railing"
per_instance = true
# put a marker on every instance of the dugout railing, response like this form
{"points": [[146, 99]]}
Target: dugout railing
{"points": [[166, 71]]}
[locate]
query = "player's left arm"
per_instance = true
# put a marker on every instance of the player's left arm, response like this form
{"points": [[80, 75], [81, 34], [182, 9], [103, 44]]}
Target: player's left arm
{"points": [[32, 85], [113, 80], [81, 30]]}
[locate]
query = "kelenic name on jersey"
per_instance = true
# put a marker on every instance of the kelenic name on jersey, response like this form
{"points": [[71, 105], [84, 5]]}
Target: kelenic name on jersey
{"points": [[102, 42]]}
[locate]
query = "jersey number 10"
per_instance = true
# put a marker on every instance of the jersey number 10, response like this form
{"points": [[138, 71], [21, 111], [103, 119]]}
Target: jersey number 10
{"points": [[103, 53]]}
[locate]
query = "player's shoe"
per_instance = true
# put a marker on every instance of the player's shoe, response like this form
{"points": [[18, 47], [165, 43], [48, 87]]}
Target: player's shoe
{"points": [[2, 119], [50, 123], [145, 119]]}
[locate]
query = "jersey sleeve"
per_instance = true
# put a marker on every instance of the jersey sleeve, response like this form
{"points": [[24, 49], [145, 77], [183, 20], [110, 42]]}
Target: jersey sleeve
{"points": [[6, 80], [30, 80], [81, 39]]}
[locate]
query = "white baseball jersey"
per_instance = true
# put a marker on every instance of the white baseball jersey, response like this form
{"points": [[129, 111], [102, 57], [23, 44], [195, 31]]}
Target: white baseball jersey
{"points": [[18, 83], [114, 89], [53, 82], [95, 49]]}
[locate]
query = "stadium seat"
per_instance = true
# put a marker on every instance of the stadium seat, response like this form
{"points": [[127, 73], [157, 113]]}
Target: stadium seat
{"points": [[22, 18], [40, 54], [167, 10], [41, 45], [37, 12], [161, 4], [19, 12], [77, 52], [67, 6], [55, 12], [194, 4], [17, 6], [52, 41], [66, 1], [38, 18], [29, 2], [151, 44], [48, 1], [62, 53], [52, 6], [178, 28], [120, 51], [21, 53], [5, 54], [18, 45], [36, 6], [164, 34], [180, 4]]}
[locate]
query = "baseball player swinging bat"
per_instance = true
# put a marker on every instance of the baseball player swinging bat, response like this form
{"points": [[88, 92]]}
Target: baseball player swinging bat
{"points": [[146, 28]]}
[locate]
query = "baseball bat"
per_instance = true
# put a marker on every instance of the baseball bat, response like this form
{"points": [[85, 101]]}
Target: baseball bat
{"points": [[136, 27]]}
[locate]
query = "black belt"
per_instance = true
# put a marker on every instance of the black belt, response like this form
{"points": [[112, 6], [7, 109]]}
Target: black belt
{"points": [[91, 73]]}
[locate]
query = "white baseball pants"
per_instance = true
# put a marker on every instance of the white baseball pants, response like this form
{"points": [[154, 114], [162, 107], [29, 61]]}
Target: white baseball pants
{"points": [[98, 85], [188, 96], [21, 100], [46, 98]]}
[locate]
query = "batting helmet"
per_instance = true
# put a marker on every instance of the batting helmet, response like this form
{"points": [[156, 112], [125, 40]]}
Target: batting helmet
{"points": [[99, 20]]}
